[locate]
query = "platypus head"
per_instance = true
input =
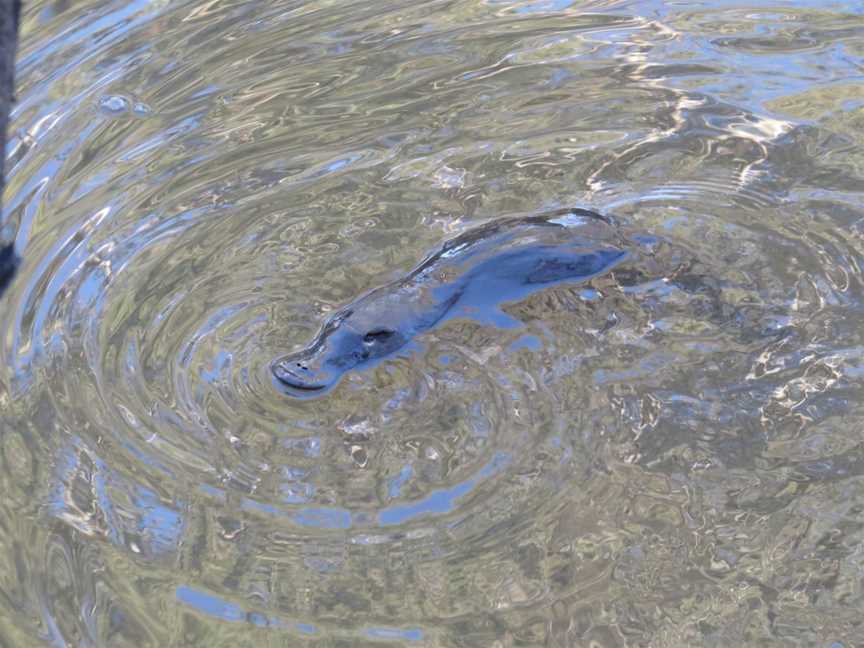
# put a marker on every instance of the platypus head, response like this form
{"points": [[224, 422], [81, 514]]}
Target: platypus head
{"points": [[337, 349]]}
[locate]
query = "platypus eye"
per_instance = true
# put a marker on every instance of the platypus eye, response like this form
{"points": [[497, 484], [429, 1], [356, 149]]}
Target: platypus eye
{"points": [[378, 335]]}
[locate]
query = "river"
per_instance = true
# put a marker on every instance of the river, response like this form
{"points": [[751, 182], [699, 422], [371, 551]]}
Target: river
{"points": [[669, 454]]}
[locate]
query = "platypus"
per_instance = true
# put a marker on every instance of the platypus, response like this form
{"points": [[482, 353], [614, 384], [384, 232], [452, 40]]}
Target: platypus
{"points": [[470, 276]]}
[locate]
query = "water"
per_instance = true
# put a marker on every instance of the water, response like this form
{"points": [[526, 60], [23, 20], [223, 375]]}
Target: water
{"points": [[668, 455]]}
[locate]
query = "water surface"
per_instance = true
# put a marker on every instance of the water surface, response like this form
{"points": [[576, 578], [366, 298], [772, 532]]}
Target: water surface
{"points": [[667, 455]]}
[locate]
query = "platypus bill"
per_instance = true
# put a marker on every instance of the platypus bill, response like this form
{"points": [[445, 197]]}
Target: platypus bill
{"points": [[471, 276]]}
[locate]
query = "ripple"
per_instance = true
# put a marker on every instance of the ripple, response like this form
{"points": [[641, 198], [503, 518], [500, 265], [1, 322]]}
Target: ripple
{"points": [[667, 454]]}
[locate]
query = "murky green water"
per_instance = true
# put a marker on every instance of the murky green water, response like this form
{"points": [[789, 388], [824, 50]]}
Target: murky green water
{"points": [[669, 455]]}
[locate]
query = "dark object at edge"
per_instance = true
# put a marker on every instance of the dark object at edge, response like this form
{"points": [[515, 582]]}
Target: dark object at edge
{"points": [[10, 11], [8, 265]]}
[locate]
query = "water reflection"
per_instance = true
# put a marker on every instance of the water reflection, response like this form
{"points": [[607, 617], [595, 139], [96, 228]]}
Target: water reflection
{"points": [[666, 455]]}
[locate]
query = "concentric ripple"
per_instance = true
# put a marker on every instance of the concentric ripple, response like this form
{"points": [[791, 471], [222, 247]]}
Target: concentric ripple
{"points": [[665, 455]]}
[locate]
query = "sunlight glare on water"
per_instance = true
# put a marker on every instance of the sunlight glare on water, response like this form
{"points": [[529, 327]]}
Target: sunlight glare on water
{"points": [[669, 454]]}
